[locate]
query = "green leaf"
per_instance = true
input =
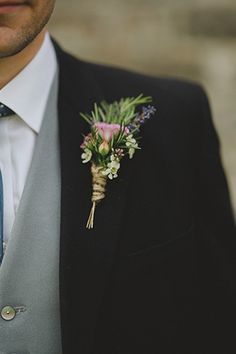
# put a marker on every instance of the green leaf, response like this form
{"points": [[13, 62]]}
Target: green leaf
{"points": [[118, 112], [103, 117], [87, 118]]}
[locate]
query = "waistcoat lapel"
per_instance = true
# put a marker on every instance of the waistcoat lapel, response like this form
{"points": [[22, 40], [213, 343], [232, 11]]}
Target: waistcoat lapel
{"points": [[86, 255], [29, 272]]}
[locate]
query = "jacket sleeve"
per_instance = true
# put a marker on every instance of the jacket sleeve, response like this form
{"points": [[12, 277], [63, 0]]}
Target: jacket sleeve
{"points": [[218, 234]]}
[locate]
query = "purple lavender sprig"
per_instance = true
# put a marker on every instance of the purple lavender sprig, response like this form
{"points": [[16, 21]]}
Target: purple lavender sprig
{"points": [[142, 117]]}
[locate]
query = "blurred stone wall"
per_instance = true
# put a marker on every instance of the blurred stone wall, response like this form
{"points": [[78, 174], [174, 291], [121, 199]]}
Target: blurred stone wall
{"points": [[193, 39]]}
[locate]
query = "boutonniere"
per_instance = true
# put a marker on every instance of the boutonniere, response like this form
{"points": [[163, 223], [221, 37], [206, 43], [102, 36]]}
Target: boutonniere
{"points": [[115, 129]]}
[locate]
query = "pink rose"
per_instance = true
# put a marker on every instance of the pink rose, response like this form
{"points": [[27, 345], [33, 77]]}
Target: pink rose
{"points": [[107, 131]]}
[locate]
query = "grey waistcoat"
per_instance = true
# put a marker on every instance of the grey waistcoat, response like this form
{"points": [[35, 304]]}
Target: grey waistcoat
{"points": [[29, 274]]}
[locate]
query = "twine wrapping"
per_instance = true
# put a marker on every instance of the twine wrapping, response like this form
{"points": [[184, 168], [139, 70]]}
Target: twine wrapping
{"points": [[99, 188]]}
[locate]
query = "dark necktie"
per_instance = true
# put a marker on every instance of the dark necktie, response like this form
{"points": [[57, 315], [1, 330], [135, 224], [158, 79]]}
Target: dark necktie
{"points": [[4, 112]]}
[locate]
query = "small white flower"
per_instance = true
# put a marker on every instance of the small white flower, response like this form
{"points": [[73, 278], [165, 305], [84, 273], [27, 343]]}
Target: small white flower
{"points": [[132, 144], [111, 176], [129, 137], [113, 158], [86, 156], [112, 168], [131, 152], [130, 141]]}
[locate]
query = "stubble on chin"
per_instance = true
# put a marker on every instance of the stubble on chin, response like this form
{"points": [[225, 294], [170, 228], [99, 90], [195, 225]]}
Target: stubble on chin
{"points": [[17, 34]]}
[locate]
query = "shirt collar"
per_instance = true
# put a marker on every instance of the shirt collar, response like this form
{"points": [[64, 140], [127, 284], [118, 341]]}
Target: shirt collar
{"points": [[28, 92]]}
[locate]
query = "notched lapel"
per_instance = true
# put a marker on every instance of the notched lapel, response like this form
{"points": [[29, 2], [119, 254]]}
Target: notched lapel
{"points": [[85, 255]]}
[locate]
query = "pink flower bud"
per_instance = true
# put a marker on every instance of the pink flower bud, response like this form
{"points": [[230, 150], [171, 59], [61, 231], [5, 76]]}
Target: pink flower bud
{"points": [[104, 148]]}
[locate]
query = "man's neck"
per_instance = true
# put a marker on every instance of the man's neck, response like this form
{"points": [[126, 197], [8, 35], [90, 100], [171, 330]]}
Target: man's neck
{"points": [[11, 66]]}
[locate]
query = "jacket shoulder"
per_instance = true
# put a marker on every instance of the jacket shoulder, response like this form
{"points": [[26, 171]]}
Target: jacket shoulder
{"points": [[120, 82]]}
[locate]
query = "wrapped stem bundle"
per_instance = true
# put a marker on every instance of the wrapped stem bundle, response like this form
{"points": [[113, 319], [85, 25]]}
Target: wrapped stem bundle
{"points": [[99, 182]]}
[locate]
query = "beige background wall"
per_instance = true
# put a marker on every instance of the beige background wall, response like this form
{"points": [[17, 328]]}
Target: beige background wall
{"points": [[193, 39]]}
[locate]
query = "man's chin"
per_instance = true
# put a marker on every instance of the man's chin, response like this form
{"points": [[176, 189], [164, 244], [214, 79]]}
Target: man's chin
{"points": [[7, 42], [10, 43]]}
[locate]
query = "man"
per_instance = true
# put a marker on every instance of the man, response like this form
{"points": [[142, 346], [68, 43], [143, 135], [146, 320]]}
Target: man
{"points": [[156, 274]]}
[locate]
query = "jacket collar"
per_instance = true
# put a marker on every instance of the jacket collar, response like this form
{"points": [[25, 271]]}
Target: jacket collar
{"points": [[86, 256]]}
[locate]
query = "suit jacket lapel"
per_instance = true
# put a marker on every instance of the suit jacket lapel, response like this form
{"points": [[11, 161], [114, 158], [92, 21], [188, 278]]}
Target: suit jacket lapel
{"points": [[86, 255]]}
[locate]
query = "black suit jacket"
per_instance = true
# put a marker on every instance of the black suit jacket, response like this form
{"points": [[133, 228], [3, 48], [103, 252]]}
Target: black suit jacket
{"points": [[156, 274]]}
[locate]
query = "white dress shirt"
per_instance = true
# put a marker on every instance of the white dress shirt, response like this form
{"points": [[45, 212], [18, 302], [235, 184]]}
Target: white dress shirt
{"points": [[27, 96]]}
